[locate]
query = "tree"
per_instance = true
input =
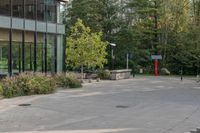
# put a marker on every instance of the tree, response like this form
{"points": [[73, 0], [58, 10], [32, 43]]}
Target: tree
{"points": [[85, 48], [99, 15], [160, 24], [140, 27], [145, 29], [174, 20]]}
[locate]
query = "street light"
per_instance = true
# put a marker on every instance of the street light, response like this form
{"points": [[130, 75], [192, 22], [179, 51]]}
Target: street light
{"points": [[65, 1], [112, 44], [112, 53]]}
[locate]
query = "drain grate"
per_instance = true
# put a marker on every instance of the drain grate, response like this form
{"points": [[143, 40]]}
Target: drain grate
{"points": [[122, 106], [24, 105]]}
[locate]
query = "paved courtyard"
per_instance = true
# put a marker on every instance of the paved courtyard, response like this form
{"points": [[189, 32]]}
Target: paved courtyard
{"points": [[139, 105]]}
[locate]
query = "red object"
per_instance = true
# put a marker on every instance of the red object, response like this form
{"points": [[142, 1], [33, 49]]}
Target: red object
{"points": [[156, 67]]}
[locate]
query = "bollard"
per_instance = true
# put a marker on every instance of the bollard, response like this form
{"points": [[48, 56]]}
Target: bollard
{"points": [[181, 73]]}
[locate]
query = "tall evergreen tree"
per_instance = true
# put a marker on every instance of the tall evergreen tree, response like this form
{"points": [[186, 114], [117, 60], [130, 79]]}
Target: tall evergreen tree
{"points": [[100, 15]]}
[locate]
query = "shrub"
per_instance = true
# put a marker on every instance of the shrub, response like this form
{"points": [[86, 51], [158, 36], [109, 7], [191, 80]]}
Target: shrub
{"points": [[27, 84], [67, 81], [61, 80], [74, 83], [10, 88], [31, 84], [1, 90], [105, 75], [42, 84]]}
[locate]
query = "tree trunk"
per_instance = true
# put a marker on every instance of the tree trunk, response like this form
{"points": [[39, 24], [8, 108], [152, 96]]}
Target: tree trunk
{"points": [[165, 46], [82, 75]]}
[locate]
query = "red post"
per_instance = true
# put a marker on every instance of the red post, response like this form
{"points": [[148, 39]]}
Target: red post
{"points": [[156, 67]]}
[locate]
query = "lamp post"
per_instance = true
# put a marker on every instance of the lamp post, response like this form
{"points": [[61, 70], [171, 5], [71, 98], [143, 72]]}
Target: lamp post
{"points": [[127, 61], [112, 54]]}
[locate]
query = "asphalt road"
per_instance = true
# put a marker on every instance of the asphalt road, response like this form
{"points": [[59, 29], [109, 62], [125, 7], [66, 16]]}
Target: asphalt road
{"points": [[139, 105]]}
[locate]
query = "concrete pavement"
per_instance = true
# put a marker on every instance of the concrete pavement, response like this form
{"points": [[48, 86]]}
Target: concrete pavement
{"points": [[140, 105]]}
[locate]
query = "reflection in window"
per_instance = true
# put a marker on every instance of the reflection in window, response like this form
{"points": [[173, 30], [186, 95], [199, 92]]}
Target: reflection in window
{"points": [[29, 46], [41, 10], [47, 10], [30, 9], [40, 51], [5, 7], [51, 11], [18, 8], [4, 41], [50, 52], [61, 12], [16, 51]]}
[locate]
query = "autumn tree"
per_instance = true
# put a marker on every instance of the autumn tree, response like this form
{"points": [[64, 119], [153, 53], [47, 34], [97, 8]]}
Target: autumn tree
{"points": [[85, 48]]}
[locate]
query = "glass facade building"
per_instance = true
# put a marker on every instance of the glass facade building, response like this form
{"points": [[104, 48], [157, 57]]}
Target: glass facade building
{"points": [[31, 36]]}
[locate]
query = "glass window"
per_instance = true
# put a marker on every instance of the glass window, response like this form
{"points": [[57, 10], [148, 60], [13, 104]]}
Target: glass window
{"points": [[28, 49], [40, 51], [41, 10], [51, 11], [61, 12], [18, 8], [16, 51], [50, 52], [4, 48], [5, 7], [30, 9]]}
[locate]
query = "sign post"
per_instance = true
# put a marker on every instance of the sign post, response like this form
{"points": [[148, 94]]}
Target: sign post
{"points": [[156, 67]]}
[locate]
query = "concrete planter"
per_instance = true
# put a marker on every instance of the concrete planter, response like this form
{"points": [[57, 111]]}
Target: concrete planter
{"points": [[120, 74], [98, 79]]}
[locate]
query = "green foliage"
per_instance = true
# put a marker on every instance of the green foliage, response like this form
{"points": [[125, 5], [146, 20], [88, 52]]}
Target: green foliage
{"points": [[32, 84], [141, 26], [99, 15], [164, 25], [67, 81], [85, 48], [42, 84], [74, 83], [87, 11], [105, 75], [1, 90], [10, 89], [27, 84]]}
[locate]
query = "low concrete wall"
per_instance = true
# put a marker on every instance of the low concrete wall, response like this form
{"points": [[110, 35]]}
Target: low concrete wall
{"points": [[120, 74]]}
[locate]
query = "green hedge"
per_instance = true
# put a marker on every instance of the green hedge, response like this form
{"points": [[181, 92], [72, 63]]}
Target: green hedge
{"points": [[27, 84], [36, 83]]}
